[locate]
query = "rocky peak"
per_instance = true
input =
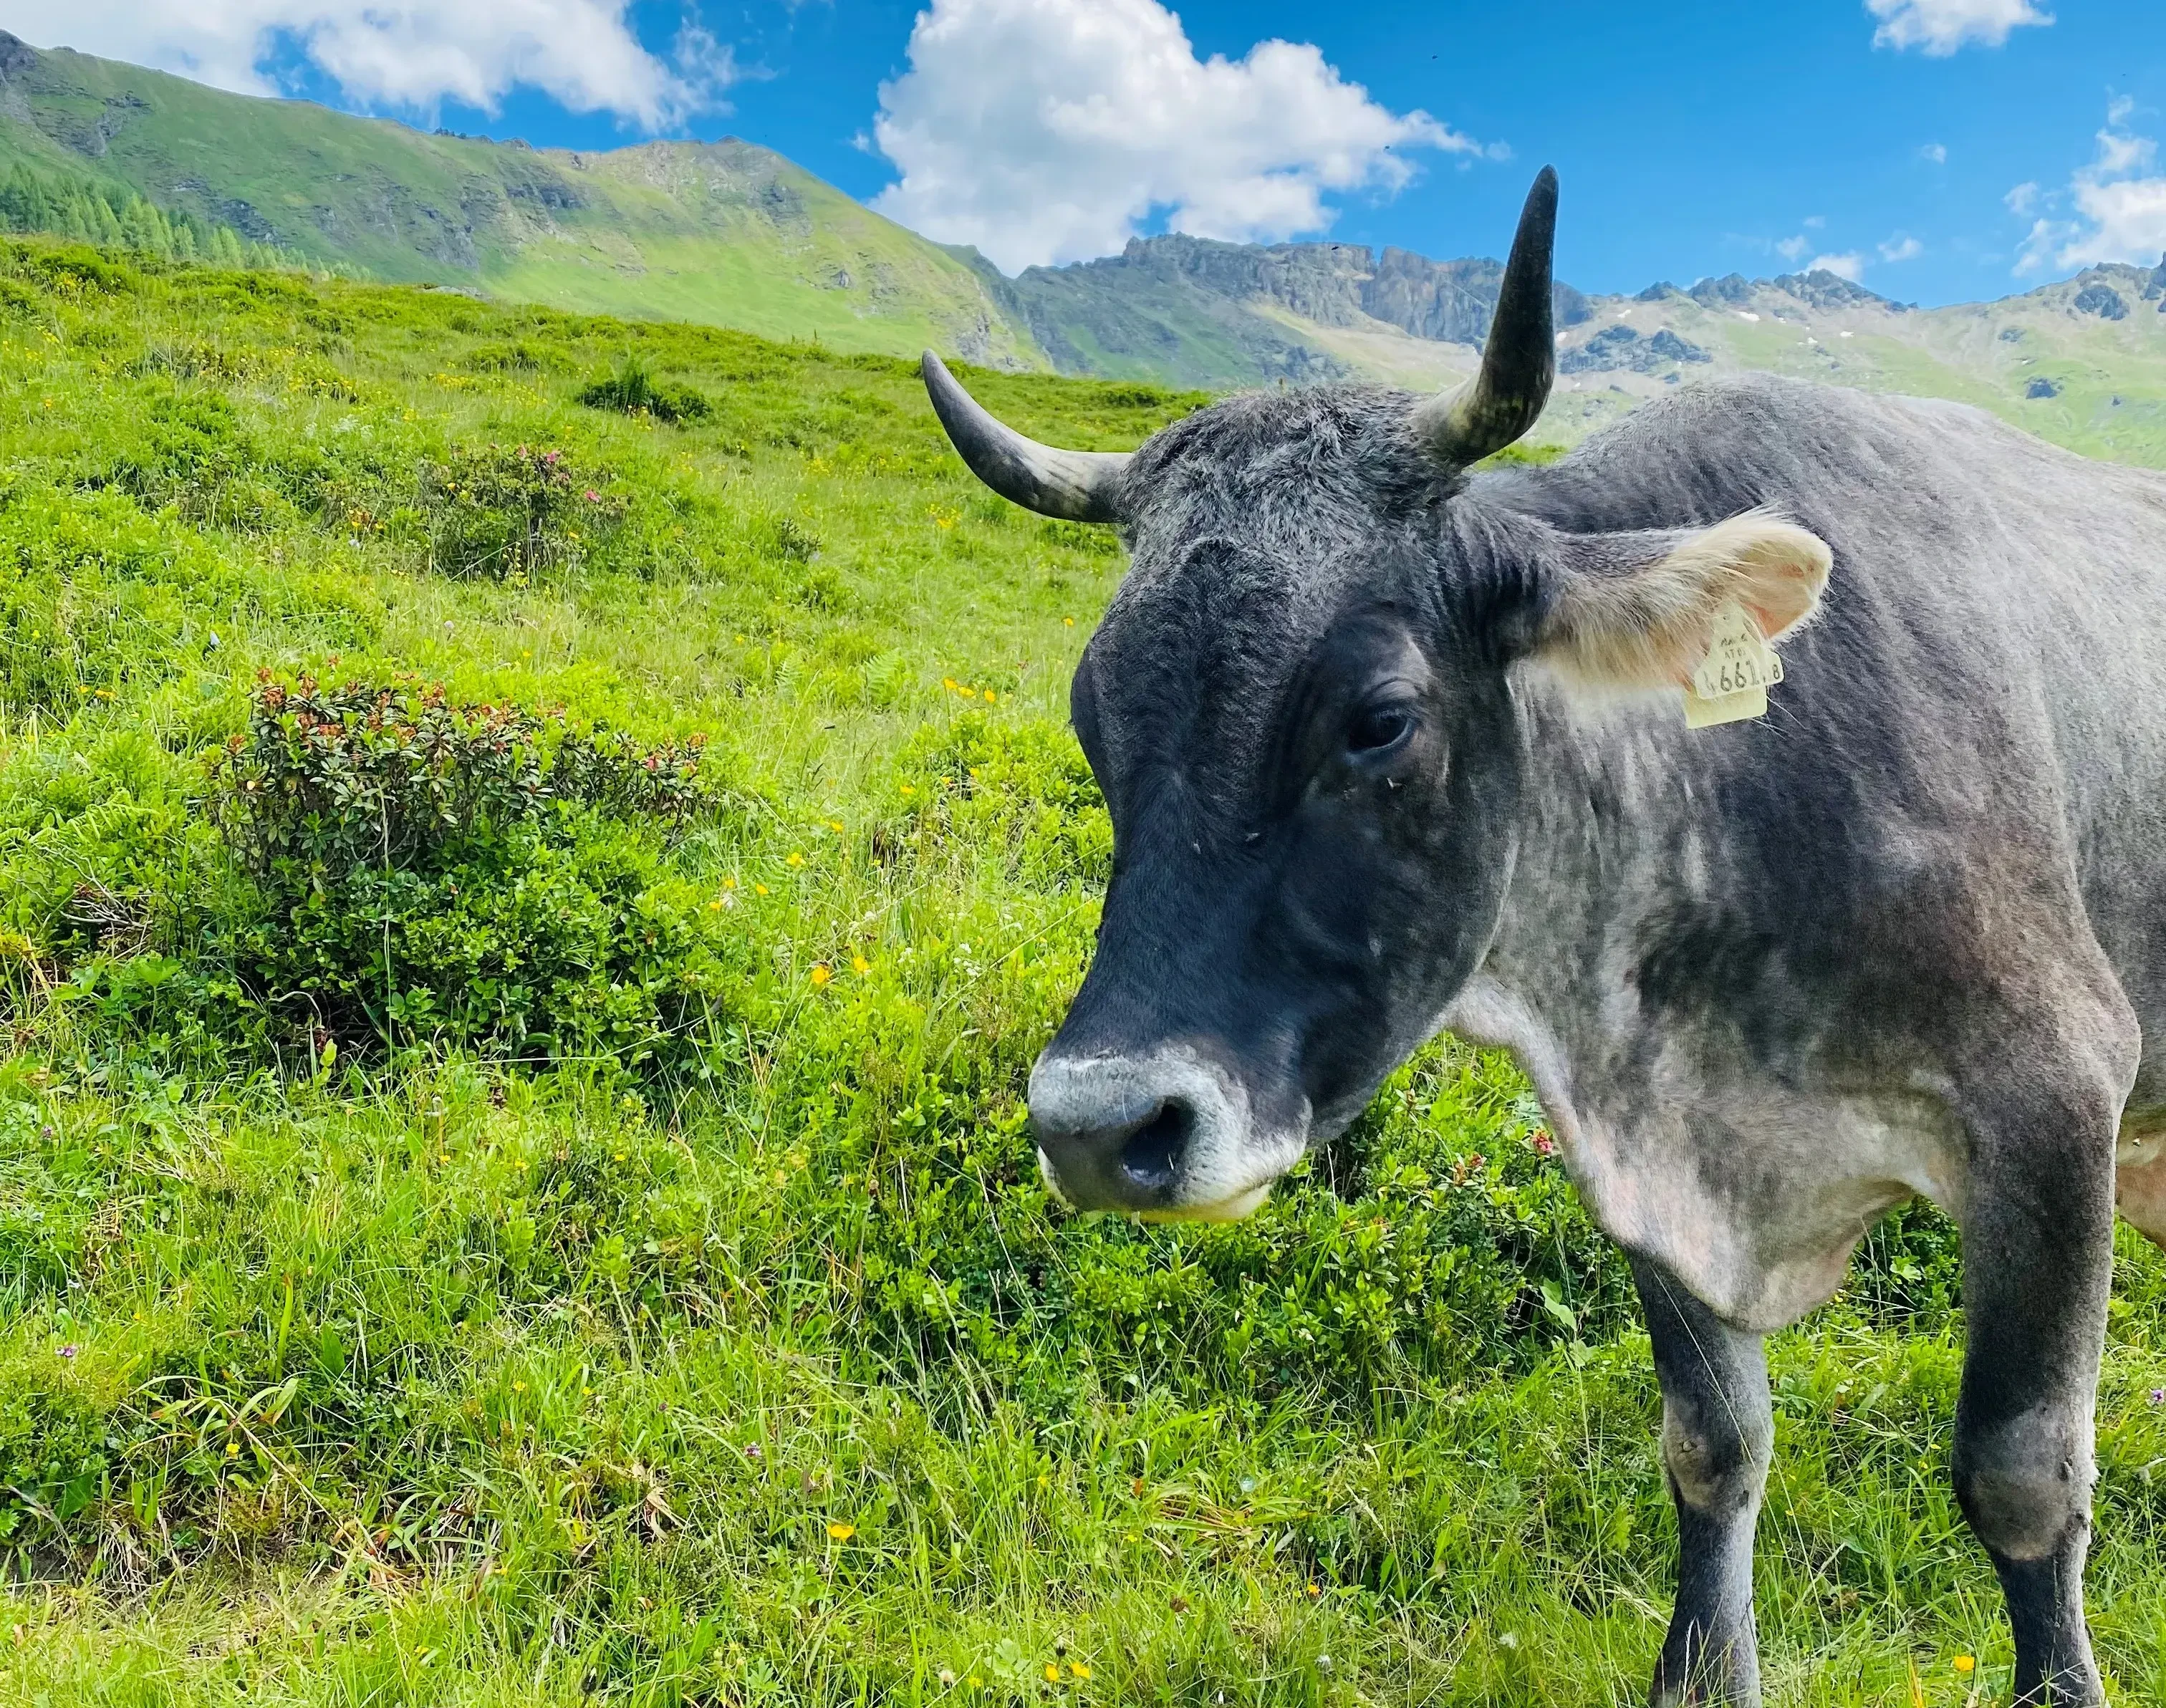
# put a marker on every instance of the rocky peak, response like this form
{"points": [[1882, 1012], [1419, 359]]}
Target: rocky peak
{"points": [[2101, 300], [1619, 346], [1822, 289], [1334, 284], [1817, 289]]}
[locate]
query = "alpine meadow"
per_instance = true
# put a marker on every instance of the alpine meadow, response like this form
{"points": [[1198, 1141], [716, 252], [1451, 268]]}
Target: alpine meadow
{"points": [[538, 854]]}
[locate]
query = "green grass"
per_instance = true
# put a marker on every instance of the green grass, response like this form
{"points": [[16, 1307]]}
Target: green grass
{"points": [[749, 1363]]}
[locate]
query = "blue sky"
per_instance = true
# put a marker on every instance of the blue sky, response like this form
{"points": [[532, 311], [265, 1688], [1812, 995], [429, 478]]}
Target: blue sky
{"points": [[1692, 138]]}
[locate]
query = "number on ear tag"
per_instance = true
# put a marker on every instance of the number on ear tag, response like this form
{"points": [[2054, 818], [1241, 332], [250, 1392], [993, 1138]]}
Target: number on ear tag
{"points": [[1733, 680]]}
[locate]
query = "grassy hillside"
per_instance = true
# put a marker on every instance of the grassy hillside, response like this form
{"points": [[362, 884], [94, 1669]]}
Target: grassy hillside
{"points": [[726, 233], [523, 930], [2081, 361]]}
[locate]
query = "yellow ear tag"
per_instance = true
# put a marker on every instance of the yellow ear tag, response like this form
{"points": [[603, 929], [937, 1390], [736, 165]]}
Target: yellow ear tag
{"points": [[1733, 680]]}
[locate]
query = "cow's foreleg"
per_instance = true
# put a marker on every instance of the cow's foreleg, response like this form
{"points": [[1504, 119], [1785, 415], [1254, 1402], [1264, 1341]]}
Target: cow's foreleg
{"points": [[1718, 1428], [2037, 1267]]}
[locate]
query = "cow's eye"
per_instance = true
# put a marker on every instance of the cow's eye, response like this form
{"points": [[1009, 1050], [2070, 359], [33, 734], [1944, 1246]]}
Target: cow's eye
{"points": [[1374, 732]]}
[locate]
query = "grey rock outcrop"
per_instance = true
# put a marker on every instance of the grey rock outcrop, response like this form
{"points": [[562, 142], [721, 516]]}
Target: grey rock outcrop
{"points": [[2101, 300], [1822, 289], [1817, 289], [1726, 291], [1616, 348]]}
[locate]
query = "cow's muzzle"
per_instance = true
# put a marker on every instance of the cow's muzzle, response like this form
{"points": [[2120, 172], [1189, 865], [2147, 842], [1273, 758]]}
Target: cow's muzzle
{"points": [[1165, 1136]]}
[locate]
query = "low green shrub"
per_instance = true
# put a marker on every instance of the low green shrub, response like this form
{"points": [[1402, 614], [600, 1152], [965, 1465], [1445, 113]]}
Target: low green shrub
{"points": [[632, 390], [187, 446], [94, 593], [422, 873], [506, 513]]}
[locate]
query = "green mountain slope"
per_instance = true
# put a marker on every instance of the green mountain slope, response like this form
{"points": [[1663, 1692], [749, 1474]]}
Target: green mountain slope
{"points": [[724, 233], [2081, 362]]}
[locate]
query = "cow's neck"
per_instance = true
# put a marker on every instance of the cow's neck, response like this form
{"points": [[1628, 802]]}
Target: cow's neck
{"points": [[1619, 860]]}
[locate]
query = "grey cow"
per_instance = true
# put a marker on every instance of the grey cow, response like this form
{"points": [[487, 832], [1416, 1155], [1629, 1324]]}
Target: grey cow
{"points": [[1392, 747]]}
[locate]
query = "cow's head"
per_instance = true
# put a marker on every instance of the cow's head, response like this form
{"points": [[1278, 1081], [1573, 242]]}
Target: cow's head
{"points": [[1303, 711]]}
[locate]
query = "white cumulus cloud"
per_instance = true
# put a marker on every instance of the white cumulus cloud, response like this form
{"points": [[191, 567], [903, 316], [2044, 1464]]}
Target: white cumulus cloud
{"points": [[1934, 153], [1901, 248], [1850, 264], [1940, 27], [1050, 131], [402, 54], [2113, 209]]}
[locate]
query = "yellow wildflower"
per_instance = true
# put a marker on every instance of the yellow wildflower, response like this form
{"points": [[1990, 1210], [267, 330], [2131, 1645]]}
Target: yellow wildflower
{"points": [[820, 974], [989, 696], [796, 859], [859, 964], [760, 888], [841, 1532], [1051, 1674], [1966, 1664], [908, 788], [1077, 1669]]}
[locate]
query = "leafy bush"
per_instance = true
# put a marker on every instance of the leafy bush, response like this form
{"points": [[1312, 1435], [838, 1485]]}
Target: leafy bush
{"points": [[508, 512], [463, 875], [632, 390], [188, 447]]}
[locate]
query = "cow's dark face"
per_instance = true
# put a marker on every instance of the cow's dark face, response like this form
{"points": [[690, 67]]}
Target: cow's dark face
{"points": [[1299, 708], [1313, 772]]}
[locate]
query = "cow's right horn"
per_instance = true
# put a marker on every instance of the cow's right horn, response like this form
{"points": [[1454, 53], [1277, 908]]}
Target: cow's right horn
{"points": [[1077, 486], [1519, 358]]}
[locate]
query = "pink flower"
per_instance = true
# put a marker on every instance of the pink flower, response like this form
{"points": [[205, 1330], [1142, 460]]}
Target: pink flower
{"points": [[593, 496], [69, 1349]]}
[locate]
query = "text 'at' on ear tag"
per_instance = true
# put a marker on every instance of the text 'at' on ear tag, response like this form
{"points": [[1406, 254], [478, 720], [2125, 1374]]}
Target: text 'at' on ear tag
{"points": [[1733, 680]]}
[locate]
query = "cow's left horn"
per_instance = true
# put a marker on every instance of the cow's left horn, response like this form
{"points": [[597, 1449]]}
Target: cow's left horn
{"points": [[1519, 358], [1077, 486]]}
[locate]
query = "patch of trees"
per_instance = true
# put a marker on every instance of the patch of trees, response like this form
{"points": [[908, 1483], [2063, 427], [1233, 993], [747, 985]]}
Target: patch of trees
{"points": [[60, 205]]}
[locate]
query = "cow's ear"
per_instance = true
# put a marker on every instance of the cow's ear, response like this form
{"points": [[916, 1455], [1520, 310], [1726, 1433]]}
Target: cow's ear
{"points": [[1637, 610]]}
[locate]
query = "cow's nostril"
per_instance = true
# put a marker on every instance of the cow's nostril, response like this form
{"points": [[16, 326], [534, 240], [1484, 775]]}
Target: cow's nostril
{"points": [[1148, 1157]]}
